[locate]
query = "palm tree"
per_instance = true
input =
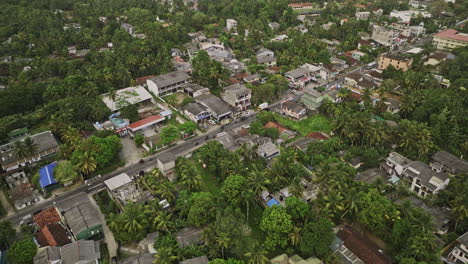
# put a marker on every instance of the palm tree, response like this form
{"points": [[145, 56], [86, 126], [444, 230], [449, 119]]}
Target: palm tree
{"points": [[31, 146], [295, 236], [86, 164], [257, 181], [162, 222], [164, 256], [459, 210], [222, 241], [153, 208], [166, 191], [133, 218], [257, 255], [20, 149], [296, 188], [71, 136], [114, 222]]}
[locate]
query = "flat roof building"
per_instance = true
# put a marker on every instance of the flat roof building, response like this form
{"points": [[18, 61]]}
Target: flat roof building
{"points": [[169, 83], [449, 39], [126, 96]]}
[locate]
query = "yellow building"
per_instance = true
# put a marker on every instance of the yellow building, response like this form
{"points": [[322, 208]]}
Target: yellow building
{"points": [[397, 61], [449, 39]]}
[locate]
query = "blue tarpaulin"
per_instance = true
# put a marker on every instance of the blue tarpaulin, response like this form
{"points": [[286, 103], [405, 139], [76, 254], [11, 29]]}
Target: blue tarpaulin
{"points": [[46, 175], [272, 202]]}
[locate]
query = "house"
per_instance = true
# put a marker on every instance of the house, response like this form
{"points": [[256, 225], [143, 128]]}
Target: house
{"points": [[142, 80], [168, 83], [82, 251], [447, 162], [196, 112], [16, 179], [197, 260], [423, 179], [237, 95], [398, 61], [328, 25], [352, 247], [279, 38], [145, 258], [301, 144], [362, 15], [395, 164], [440, 216], [449, 39], [129, 28], [301, 5], [231, 24], [218, 109], [293, 109], [295, 259], [24, 195], [299, 77], [313, 99], [274, 25], [194, 90], [46, 144], [234, 66], [386, 36], [405, 16], [284, 132], [371, 175], [136, 95], [47, 255], [46, 178], [145, 123], [437, 58], [268, 150], [180, 64], [189, 236], [252, 78], [175, 52], [318, 136], [166, 164], [266, 60], [265, 52], [124, 190], [46, 217], [53, 235], [81, 216], [459, 253]]}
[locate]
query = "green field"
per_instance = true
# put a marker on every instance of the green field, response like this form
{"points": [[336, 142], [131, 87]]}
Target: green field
{"points": [[305, 126]]}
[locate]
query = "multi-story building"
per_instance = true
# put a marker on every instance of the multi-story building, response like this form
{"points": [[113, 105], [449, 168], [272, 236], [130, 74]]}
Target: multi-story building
{"points": [[425, 181], [447, 162], [237, 95], [168, 83], [449, 39], [293, 109], [397, 61], [313, 99], [459, 253], [362, 15], [386, 36], [45, 143]]}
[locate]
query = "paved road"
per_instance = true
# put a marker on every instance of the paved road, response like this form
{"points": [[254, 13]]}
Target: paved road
{"points": [[132, 169]]}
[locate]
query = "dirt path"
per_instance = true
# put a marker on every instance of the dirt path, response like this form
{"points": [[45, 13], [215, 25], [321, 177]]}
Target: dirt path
{"points": [[108, 235], [5, 204]]}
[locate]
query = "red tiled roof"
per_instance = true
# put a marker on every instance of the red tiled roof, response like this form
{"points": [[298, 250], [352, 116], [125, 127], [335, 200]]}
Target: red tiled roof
{"points": [[451, 34], [47, 217], [272, 124], [360, 6], [241, 76], [299, 4], [148, 120], [142, 80], [356, 96], [317, 135], [363, 248], [179, 59], [53, 235], [234, 80]]}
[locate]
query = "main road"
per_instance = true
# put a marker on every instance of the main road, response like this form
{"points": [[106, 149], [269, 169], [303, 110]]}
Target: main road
{"points": [[133, 169]]}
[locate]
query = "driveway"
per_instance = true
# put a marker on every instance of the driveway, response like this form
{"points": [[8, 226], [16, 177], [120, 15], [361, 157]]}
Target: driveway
{"points": [[112, 245], [130, 153]]}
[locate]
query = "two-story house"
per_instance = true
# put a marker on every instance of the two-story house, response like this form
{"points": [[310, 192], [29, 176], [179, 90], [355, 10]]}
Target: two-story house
{"points": [[266, 57], [395, 163], [313, 99], [444, 161], [237, 95], [293, 109], [299, 77], [425, 181], [459, 253], [196, 112], [46, 145], [168, 83]]}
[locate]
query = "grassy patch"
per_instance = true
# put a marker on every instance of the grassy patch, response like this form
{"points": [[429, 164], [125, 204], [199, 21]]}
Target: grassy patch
{"points": [[105, 203], [209, 182], [307, 125]]}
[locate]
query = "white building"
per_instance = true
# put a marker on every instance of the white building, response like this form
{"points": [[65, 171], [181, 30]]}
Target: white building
{"points": [[168, 83], [231, 24], [126, 96], [425, 181], [459, 253]]}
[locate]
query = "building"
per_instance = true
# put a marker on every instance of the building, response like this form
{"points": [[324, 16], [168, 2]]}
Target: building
{"points": [[424, 181], [124, 190], [293, 109], [266, 60], [268, 150], [459, 253], [362, 15], [449, 39], [46, 146], [81, 216], [168, 83], [386, 36], [405, 16], [218, 109], [53, 235], [353, 247], [231, 24], [136, 95], [237, 95], [166, 164], [47, 255], [397, 61], [195, 90], [196, 112], [313, 99], [301, 5], [299, 77], [145, 123], [145, 258], [295, 259], [46, 178], [129, 28], [189, 236], [395, 164], [446, 162]]}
